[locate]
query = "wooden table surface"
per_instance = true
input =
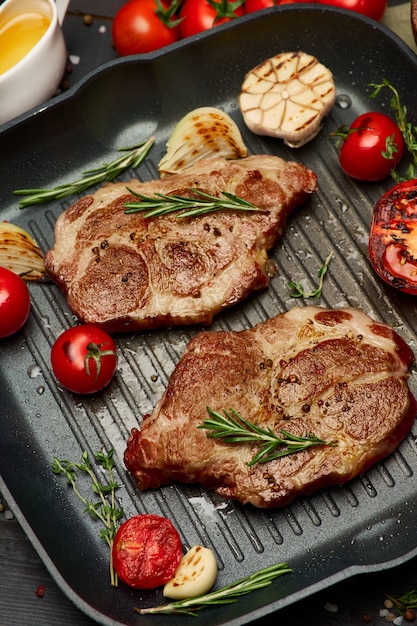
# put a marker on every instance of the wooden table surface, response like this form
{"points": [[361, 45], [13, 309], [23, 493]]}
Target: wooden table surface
{"points": [[350, 603]]}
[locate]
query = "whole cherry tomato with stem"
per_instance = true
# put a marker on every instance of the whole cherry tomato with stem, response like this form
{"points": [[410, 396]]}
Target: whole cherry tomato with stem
{"points": [[371, 147], [146, 551], [141, 26], [200, 15], [393, 237], [84, 359], [370, 8], [14, 302]]}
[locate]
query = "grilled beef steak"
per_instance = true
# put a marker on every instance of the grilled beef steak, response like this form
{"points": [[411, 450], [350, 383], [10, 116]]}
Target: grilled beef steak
{"points": [[336, 374], [128, 272]]}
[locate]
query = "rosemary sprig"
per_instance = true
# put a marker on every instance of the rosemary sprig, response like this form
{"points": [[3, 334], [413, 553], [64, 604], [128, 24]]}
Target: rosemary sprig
{"points": [[408, 131], [298, 289], [225, 595], [202, 203], [104, 508], [233, 428], [132, 157]]}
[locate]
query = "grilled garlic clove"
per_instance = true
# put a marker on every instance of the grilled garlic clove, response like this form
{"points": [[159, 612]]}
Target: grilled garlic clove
{"points": [[20, 253], [195, 574], [287, 97], [204, 132]]}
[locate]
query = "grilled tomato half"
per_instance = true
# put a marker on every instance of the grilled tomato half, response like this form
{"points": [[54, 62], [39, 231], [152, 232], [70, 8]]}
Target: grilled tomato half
{"points": [[393, 237]]}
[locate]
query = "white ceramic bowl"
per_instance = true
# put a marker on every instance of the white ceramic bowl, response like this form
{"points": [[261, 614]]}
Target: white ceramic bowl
{"points": [[35, 78]]}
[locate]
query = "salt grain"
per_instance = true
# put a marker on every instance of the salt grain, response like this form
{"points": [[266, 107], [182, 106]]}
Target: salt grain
{"points": [[331, 608], [75, 59]]}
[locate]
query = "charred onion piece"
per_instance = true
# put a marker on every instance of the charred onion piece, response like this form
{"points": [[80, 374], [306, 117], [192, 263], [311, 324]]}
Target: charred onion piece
{"points": [[20, 253], [202, 133]]}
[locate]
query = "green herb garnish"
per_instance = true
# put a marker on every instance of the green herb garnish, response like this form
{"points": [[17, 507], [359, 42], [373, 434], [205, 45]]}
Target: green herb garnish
{"points": [[104, 507], [408, 131], [202, 203], [133, 157], [404, 601], [233, 428], [225, 595], [298, 289]]}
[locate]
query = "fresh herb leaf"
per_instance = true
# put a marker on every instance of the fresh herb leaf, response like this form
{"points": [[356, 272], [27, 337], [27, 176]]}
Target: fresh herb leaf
{"points": [[103, 509], [404, 601], [200, 204], [225, 595], [233, 428], [408, 130], [298, 289], [132, 157]]}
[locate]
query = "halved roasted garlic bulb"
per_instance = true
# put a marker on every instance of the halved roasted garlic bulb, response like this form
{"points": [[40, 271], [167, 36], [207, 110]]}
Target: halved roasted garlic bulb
{"points": [[20, 253], [202, 133], [287, 97]]}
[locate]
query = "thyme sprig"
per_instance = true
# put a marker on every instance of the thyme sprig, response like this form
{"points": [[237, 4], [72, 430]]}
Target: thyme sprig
{"points": [[131, 157], [298, 289], [225, 595], [408, 130], [200, 204], [104, 507], [404, 601], [233, 428]]}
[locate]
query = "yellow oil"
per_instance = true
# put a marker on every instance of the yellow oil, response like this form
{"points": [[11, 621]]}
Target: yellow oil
{"points": [[18, 36]]}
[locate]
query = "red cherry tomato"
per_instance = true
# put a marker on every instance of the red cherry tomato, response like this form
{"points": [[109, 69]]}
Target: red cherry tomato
{"points": [[139, 27], [146, 551], [393, 237], [257, 5], [251, 6], [14, 302], [361, 155], [84, 359], [371, 8], [200, 15]]}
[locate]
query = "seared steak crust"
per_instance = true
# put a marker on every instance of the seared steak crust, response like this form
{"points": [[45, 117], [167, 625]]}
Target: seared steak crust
{"points": [[334, 373], [126, 272]]}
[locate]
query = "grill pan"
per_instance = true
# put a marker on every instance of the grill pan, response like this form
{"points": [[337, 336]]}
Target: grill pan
{"points": [[367, 525]]}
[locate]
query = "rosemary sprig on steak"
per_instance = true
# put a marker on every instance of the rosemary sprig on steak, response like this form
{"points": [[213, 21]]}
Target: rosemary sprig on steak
{"points": [[225, 595], [233, 428], [131, 157], [199, 204]]}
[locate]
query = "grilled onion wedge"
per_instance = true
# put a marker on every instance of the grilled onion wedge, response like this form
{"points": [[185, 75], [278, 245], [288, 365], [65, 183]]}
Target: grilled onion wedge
{"points": [[202, 133], [20, 253]]}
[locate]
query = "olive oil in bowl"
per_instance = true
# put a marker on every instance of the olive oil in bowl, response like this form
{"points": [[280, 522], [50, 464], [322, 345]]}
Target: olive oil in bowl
{"points": [[18, 36]]}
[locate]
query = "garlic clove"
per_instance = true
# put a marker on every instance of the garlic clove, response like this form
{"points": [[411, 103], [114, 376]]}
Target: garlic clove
{"points": [[20, 253], [202, 133], [287, 97], [195, 574]]}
